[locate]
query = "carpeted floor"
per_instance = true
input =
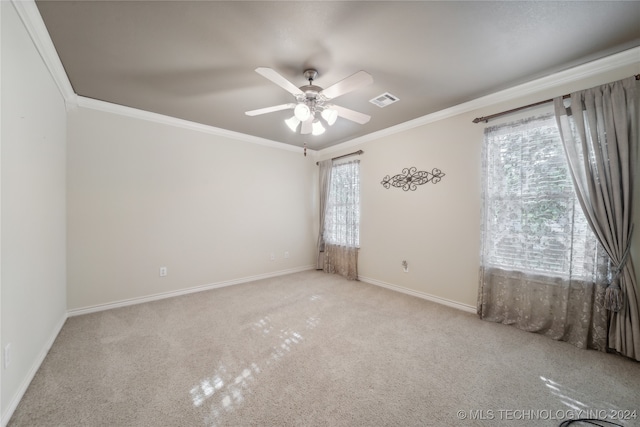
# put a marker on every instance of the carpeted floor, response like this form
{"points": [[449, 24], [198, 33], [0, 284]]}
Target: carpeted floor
{"points": [[311, 349]]}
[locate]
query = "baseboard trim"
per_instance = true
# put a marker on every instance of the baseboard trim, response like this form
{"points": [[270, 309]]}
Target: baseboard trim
{"points": [[17, 397], [423, 295], [171, 294]]}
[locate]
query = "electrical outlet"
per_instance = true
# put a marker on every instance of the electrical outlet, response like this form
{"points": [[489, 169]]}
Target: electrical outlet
{"points": [[405, 266], [286, 254], [273, 256], [163, 271], [7, 355]]}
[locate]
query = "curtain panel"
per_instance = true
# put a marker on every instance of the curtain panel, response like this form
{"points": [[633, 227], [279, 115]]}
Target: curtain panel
{"points": [[342, 220], [599, 129], [342, 260], [561, 309], [324, 180], [541, 268]]}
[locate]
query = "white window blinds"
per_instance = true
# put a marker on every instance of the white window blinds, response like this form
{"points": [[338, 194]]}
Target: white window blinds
{"points": [[342, 219], [532, 220]]}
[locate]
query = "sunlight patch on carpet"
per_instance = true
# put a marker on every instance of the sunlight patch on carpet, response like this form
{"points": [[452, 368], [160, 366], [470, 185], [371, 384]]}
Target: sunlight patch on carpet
{"points": [[580, 407], [226, 389]]}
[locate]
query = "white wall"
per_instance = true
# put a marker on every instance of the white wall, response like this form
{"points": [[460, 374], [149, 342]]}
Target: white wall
{"points": [[434, 228], [33, 252], [437, 227], [142, 195]]}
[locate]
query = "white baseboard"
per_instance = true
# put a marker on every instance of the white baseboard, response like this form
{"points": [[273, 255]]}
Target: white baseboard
{"points": [[428, 297], [15, 400], [155, 297]]}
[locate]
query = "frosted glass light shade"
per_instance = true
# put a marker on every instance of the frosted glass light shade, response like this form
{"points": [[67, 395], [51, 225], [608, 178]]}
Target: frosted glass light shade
{"points": [[293, 123], [330, 116], [317, 128], [302, 112]]}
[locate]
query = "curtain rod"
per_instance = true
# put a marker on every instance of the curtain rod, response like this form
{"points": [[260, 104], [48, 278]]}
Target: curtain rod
{"points": [[346, 155], [535, 104]]}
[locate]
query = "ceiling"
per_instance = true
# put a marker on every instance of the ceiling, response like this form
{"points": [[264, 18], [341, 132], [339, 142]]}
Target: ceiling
{"points": [[195, 60]]}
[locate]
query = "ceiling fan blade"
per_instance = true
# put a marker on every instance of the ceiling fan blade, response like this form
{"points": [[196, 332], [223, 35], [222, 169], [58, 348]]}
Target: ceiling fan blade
{"points": [[270, 109], [276, 78], [351, 83], [306, 128], [352, 115]]}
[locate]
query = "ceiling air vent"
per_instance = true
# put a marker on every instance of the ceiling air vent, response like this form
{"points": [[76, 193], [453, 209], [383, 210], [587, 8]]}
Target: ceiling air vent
{"points": [[384, 100]]}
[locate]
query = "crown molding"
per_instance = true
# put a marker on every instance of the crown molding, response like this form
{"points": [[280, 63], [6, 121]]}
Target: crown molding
{"points": [[590, 69], [32, 20], [121, 110]]}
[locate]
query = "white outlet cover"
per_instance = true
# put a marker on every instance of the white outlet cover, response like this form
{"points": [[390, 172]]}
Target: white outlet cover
{"points": [[7, 355]]}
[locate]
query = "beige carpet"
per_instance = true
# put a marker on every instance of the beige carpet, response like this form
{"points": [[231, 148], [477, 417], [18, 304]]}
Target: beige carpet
{"points": [[312, 349]]}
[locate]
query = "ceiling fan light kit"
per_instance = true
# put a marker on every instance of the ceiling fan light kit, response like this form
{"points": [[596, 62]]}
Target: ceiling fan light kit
{"points": [[312, 101], [292, 123], [302, 112], [317, 128], [330, 115]]}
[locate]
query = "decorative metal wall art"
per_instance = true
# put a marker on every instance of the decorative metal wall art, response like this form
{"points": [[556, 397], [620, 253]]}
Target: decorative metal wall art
{"points": [[410, 178]]}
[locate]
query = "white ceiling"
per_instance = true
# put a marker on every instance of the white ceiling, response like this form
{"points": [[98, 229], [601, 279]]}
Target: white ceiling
{"points": [[195, 60]]}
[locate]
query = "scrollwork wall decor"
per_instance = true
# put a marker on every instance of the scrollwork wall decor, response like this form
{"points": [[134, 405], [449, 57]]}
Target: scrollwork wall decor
{"points": [[410, 178]]}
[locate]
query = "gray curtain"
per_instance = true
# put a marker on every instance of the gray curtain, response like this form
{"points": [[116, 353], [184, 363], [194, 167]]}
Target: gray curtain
{"points": [[325, 183], [599, 130]]}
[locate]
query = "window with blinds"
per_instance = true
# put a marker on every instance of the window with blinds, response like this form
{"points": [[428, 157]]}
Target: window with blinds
{"points": [[533, 221], [342, 218]]}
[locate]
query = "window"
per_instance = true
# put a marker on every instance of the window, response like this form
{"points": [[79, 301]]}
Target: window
{"points": [[533, 221], [342, 219]]}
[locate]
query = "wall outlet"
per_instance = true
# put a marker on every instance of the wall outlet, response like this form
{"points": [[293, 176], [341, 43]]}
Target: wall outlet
{"points": [[286, 254], [405, 266], [273, 256], [7, 355], [163, 271]]}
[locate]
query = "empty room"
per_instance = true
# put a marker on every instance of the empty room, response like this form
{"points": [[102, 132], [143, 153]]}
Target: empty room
{"points": [[319, 213]]}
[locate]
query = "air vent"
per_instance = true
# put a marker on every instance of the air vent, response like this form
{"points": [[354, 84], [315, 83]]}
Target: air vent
{"points": [[384, 100]]}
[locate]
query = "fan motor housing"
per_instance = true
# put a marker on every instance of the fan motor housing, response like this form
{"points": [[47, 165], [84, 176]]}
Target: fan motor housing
{"points": [[311, 91]]}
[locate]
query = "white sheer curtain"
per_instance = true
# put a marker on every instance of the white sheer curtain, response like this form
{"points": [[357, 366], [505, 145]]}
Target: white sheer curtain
{"points": [[324, 180], [342, 220], [541, 268], [600, 134]]}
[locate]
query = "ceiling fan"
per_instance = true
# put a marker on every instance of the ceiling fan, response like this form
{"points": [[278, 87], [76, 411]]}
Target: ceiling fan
{"points": [[312, 102]]}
